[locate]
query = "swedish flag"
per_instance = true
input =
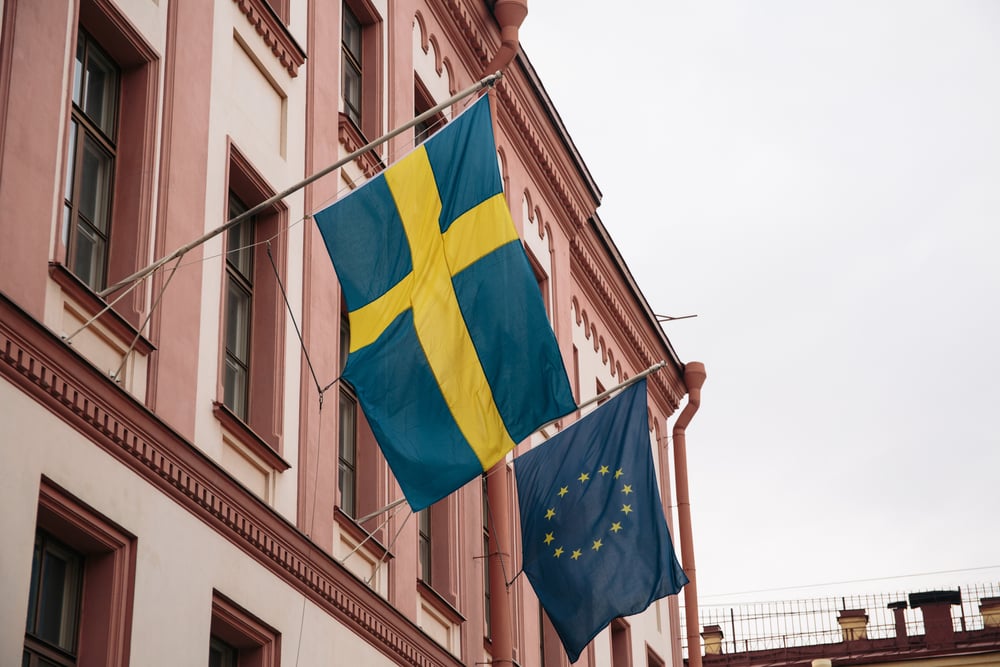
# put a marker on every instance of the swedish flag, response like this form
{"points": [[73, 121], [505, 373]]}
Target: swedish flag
{"points": [[451, 353]]}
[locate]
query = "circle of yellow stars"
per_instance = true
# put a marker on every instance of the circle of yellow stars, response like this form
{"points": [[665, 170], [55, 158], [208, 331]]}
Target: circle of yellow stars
{"points": [[615, 527]]}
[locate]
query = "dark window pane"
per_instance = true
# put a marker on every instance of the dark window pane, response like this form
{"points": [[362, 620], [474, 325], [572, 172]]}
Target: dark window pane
{"points": [[235, 388], [352, 93], [352, 34], [221, 654], [346, 472], [71, 159], [81, 46], [238, 322], [240, 240], [95, 184], [88, 260], [100, 90], [54, 598], [36, 565]]}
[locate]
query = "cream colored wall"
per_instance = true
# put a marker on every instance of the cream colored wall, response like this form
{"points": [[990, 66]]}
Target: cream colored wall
{"points": [[259, 106], [179, 560]]}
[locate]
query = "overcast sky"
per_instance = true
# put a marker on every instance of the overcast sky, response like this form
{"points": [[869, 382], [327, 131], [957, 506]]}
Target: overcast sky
{"points": [[820, 183]]}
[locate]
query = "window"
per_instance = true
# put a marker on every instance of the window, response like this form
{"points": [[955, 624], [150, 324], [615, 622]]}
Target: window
{"points": [[361, 57], [348, 466], [90, 166], [487, 620], [239, 301], [239, 639], [353, 57], [422, 101], [80, 593], [424, 546], [347, 469], [221, 654], [251, 364], [53, 603], [111, 129], [653, 660]]}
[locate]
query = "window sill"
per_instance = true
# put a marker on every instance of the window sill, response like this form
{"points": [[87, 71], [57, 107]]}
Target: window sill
{"points": [[239, 429], [440, 605], [358, 533], [92, 304]]}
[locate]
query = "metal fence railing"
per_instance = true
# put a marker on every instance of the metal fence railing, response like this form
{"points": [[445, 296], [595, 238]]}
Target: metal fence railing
{"points": [[806, 622]]}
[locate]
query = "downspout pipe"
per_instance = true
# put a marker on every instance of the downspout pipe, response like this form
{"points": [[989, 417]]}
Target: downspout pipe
{"points": [[510, 15], [694, 378]]}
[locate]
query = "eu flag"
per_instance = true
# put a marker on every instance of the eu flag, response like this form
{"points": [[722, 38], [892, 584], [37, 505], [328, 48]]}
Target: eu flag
{"points": [[451, 354], [594, 540]]}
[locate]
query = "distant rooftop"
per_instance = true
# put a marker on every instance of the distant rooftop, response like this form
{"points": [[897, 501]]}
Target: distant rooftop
{"points": [[852, 628]]}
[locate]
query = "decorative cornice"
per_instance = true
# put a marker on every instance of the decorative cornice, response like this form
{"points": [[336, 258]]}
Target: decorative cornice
{"points": [[542, 159], [274, 33], [33, 359], [351, 139], [673, 390]]}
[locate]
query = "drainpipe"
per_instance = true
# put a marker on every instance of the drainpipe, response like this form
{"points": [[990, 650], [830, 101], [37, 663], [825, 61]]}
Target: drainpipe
{"points": [[510, 15], [500, 566], [694, 378]]}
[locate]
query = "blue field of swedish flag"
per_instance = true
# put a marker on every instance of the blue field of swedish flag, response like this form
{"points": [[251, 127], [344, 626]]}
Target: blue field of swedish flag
{"points": [[451, 354]]}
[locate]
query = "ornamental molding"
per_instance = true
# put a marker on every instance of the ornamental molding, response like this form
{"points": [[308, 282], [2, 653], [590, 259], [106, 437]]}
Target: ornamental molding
{"points": [[36, 361], [542, 163], [274, 33], [666, 381], [351, 139]]}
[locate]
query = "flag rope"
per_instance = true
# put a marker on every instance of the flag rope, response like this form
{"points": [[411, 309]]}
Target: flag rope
{"points": [[298, 332]]}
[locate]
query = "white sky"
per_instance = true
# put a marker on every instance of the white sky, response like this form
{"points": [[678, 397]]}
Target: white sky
{"points": [[820, 182]]}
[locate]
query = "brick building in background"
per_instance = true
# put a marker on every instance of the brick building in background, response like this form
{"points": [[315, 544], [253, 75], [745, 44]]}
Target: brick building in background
{"points": [[183, 483]]}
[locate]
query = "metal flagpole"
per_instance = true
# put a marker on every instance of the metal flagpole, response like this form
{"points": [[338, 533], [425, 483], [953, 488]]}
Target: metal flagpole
{"points": [[607, 392], [485, 82]]}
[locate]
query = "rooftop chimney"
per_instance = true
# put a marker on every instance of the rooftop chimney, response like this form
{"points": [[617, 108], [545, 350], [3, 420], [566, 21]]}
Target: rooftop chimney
{"points": [[712, 634], [899, 615], [936, 609], [989, 608], [853, 624]]}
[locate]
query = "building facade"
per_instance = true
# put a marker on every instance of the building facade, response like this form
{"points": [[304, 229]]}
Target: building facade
{"points": [[186, 481]]}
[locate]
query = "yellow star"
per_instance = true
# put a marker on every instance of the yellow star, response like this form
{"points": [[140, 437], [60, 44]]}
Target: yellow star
{"points": [[627, 490], [618, 473], [576, 554], [548, 539], [549, 513], [615, 527], [604, 470], [626, 508], [558, 552], [563, 490], [583, 477], [597, 545]]}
